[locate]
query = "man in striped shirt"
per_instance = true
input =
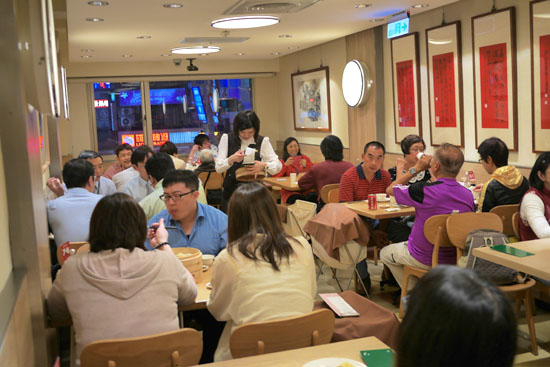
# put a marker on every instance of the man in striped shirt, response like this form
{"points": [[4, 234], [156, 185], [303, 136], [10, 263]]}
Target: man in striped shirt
{"points": [[368, 177]]}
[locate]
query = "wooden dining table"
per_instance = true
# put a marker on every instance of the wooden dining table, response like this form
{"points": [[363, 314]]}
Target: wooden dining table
{"points": [[298, 357], [536, 265], [284, 182], [381, 212], [203, 293]]}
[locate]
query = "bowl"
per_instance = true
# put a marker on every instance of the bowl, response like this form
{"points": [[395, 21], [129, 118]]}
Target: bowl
{"points": [[207, 259]]}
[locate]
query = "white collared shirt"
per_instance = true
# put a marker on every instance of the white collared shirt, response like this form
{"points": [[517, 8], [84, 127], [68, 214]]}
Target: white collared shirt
{"points": [[122, 178], [267, 155], [138, 188]]}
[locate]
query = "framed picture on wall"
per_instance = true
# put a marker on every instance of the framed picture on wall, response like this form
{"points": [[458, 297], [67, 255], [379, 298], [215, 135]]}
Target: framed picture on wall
{"points": [[311, 100], [445, 84], [406, 86], [495, 94], [540, 74]]}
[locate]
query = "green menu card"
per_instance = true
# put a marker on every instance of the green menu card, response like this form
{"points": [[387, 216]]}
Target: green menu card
{"points": [[378, 358]]}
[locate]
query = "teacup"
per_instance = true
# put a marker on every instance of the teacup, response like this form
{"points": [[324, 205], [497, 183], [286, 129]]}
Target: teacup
{"points": [[381, 197], [207, 259]]}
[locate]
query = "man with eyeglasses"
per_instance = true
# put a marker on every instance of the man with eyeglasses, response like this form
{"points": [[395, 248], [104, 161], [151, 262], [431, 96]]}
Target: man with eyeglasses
{"points": [[189, 223]]}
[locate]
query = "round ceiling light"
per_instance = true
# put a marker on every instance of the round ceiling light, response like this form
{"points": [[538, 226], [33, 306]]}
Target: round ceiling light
{"points": [[253, 21], [195, 50], [356, 83], [98, 3]]}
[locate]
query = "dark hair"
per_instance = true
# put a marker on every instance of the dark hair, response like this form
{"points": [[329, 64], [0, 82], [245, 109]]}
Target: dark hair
{"points": [[117, 221], [169, 148], [541, 165], [408, 141], [456, 318], [200, 139], [375, 144], [186, 177], [159, 165], [77, 172], [287, 142], [332, 148], [246, 120], [140, 154], [89, 154], [122, 147], [253, 211], [450, 159], [496, 149]]}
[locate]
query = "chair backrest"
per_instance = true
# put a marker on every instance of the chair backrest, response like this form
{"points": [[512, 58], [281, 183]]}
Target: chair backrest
{"points": [[277, 335], [214, 182], [298, 214], [182, 347], [460, 225], [505, 212], [73, 245], [515, 225], [435, 231], [333, 196], [326, 189]]}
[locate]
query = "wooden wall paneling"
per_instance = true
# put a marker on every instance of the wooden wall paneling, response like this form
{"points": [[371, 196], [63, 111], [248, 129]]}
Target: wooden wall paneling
{"points": [[362, 119]]}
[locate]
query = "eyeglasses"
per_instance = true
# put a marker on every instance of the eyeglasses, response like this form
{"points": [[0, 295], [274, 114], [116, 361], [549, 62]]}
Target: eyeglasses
{"points": [[175, 197], [416, 150], [480, 160]]}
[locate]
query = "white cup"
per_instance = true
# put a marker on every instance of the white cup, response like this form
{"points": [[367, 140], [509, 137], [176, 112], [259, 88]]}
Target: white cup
{"points": [[381, 197], [293, 177], [419, 155], [207, 259]]}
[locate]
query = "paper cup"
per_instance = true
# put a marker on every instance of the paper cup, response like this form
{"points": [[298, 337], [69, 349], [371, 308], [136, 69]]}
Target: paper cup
{"points": [[293, 177]]}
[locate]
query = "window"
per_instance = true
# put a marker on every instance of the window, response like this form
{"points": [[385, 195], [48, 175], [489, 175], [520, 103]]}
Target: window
{"points": [[179, 111]]}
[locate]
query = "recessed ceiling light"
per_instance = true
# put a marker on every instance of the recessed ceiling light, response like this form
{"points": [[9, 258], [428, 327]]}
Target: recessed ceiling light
{"points": [[166, 55], [85, 56], [98, 3], [127, 55], [418, 6], [94, 20], [143, 37], [285, 36], [173, 6], [275, 53], [377, 20], [239, 54], [195, 50], [361, 6], [254, 21], [86, 50]]}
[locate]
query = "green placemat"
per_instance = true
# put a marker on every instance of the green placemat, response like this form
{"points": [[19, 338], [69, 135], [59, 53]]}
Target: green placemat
{"points": [[511, 250], [378, 357]]}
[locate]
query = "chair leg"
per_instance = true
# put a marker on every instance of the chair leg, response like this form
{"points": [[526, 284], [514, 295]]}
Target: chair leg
{"points": [[528, 297], [405, 284], [357, 278], [376, 258]]}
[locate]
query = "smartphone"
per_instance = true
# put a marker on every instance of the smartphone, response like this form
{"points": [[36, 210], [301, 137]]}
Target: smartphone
{"points": [[511, 250]]}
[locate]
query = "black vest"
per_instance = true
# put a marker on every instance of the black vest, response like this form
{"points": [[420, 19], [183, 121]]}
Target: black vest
{"points": [[230, 182]]}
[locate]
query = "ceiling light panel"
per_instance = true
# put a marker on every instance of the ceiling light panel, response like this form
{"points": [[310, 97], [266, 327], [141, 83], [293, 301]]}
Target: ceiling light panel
{"points": [[195, 50], [245, 22]]}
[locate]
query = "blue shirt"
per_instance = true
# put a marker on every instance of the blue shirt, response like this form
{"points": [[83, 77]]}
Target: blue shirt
{"points": [[69, 215], [209, 234]]}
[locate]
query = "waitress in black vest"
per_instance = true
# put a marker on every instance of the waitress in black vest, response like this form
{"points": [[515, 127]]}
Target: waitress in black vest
{"points": [[231, 152]]}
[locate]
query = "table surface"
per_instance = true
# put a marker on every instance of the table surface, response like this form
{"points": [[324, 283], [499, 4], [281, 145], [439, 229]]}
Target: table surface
{"points": [[536, 265], [298, 357], [362, 208], [284, 182], [203, 293]]}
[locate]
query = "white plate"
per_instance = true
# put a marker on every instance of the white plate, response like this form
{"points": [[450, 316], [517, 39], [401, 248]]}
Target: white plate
{"points": [[383, 201], [332, 362]]}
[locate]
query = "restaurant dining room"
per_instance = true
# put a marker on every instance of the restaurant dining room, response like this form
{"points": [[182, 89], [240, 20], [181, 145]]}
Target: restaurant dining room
{"points": [[275, 183]]}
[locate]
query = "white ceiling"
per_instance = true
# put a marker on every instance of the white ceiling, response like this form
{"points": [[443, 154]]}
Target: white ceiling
{"points": [[124, 20]]}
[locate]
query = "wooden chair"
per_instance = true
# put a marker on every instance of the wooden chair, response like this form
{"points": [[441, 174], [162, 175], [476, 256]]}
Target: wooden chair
{"points": [[515, 225], [506, 212], [326, 189], [74, 246], [307, 330], [459, 226], [435, 231], [332, 196], [211, 181], [180, 348]]}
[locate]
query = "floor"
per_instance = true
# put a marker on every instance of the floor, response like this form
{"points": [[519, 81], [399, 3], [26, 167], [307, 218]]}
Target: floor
{"points": [[524, 358]]}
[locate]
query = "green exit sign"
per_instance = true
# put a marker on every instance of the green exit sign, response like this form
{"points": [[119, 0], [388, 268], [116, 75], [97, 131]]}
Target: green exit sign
{"points": [[398, 28]]}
